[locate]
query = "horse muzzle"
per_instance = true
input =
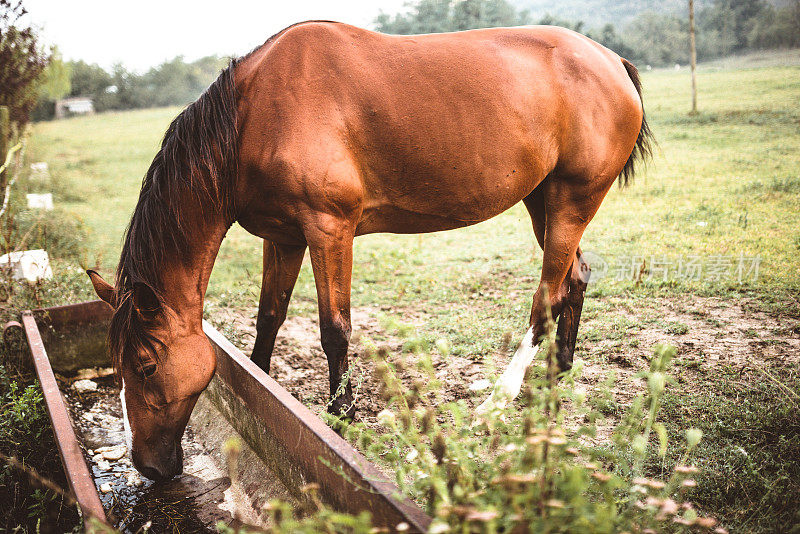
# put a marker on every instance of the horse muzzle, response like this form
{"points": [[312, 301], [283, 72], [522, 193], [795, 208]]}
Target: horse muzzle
{"points": [[160, 467]]}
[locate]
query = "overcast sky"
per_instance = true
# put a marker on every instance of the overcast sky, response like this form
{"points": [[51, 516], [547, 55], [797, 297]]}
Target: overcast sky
{"points": [[143, 33]]}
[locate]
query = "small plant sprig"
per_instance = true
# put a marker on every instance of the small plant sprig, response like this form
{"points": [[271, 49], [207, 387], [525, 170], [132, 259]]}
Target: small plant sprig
{"points": [[525, 467]]}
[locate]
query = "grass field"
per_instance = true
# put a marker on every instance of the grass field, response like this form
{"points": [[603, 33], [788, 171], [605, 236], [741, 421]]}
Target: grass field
{"points": [[724, 182], [724, 187]]}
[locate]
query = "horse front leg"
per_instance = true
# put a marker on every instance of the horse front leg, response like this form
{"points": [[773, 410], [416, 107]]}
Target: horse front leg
{"points": [[281, 266], [330, 245]]}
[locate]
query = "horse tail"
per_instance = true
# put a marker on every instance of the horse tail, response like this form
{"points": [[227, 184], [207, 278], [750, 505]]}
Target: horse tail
{"points": [[643, 149]]}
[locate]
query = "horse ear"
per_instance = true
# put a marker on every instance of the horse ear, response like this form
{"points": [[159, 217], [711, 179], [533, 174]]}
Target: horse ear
{"points": [[145, 300], [103, 289]]}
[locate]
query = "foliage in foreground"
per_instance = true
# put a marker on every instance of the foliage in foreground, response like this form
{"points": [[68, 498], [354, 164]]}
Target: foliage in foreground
{"points": [[27, 500], [528, 467], [27, 505], [752, 443], [29, 471]]}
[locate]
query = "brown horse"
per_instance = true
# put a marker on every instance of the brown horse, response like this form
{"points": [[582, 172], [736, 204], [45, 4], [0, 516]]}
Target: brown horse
{"points": [[327, 132]]}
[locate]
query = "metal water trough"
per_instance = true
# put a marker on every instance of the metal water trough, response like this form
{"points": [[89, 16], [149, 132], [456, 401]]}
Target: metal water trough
{"points": [[293, 442]]}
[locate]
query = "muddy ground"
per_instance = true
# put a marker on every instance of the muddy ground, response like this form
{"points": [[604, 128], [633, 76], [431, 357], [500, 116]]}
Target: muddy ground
{"points": [[617, 337]]}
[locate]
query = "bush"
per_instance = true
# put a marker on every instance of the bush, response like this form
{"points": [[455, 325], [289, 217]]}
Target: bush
{"points": [[27, 460], [526, 467], [60, 234], [25, 505], [25, 434], [22, 61]]}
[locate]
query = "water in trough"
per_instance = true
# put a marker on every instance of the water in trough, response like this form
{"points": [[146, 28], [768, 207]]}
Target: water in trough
{"points": [[193, 502]]}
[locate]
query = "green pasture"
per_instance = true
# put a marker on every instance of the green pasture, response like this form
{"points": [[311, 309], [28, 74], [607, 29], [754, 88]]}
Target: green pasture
{"points": [[723, 184], [723, 188]]}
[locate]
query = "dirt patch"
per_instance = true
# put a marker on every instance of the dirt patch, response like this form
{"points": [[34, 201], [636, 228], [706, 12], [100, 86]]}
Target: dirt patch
{"points": [[708, 333], [618, 337], [300, 366]]}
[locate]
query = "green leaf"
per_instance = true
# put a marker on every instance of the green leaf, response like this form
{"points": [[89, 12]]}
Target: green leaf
{"points": [[661, 430]]}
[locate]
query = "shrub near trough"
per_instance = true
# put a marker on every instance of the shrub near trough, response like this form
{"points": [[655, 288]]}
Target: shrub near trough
{"points": [[29, 466], [528, 467], [27, 504]]}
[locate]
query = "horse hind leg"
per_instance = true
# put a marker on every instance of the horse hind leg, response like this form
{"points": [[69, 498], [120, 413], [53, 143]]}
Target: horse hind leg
{"points": [[281, 266], [573, 287], [570, 204], [570, 318], [566, 205]]}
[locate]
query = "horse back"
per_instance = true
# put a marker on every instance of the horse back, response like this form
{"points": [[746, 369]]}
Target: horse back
{"points": [[435, 131]]}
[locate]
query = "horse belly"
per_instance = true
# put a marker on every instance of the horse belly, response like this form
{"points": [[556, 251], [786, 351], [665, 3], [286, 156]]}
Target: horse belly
{"points": [[445, 204]]}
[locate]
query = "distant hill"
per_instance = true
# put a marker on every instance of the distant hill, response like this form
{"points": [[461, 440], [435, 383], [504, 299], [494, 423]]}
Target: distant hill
{"points": [[596, 13]]}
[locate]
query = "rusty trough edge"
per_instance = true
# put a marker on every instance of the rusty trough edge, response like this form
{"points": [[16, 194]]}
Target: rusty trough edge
{"points": [[320, 454], [78, 474], [73, 314], [307, 439]]}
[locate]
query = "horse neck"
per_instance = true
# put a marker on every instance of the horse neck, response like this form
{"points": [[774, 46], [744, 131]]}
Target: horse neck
{"points": [[186, 279]]}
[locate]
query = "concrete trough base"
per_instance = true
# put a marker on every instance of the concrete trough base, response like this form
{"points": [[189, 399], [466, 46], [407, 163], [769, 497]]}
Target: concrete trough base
{"points": [[284, 445]]}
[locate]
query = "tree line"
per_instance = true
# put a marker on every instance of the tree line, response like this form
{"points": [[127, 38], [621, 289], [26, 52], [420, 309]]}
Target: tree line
{"points": [[173, 83], [32, 78], [724, 27]]}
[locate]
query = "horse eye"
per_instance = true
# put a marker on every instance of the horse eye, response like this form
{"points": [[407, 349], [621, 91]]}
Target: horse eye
{"points": [[147, 370]]}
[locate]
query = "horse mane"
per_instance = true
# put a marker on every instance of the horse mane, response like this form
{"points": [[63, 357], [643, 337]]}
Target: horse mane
{"points": [[195, 169]]}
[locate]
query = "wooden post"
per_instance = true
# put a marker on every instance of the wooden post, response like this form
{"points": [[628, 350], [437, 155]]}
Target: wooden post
{"points": [[5, 143], [693, 58]]}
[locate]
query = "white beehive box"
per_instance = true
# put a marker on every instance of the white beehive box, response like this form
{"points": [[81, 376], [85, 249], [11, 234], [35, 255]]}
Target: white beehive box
{"points": [[40, 172], [30, 265], [43, 201]]}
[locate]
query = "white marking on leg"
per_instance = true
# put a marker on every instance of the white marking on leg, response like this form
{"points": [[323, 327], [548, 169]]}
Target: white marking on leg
{"points": [[509, 384], [126, 425]]}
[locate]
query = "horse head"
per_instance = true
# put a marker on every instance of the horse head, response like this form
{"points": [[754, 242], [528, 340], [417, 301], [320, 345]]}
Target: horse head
{"points": [[163, 362]]}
